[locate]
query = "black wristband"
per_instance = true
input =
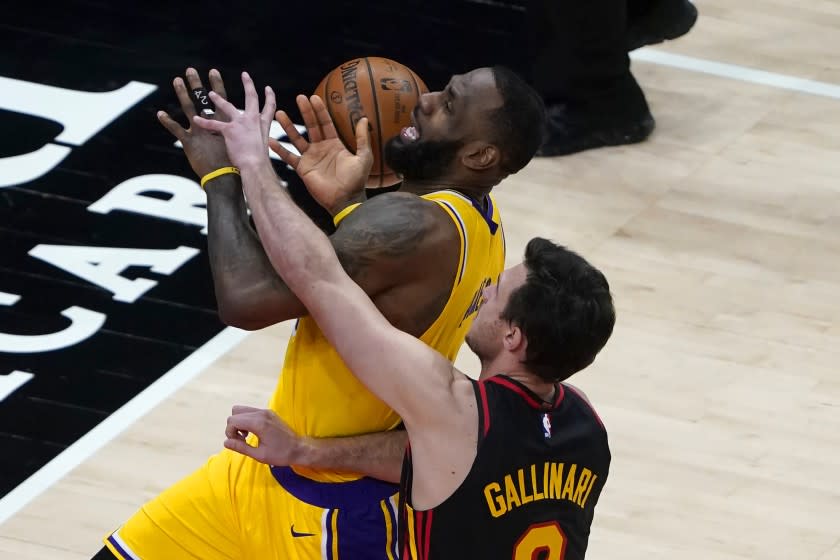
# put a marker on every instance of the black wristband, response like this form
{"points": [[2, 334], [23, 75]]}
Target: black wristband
{"points": [[203, 105]]}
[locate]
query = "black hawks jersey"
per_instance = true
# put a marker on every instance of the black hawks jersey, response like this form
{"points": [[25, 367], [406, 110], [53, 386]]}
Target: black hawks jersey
{"points": [[532, 490]]}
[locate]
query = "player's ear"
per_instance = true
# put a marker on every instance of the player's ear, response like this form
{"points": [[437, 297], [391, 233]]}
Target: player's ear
{"points": [[480, 156], [514, 340]]}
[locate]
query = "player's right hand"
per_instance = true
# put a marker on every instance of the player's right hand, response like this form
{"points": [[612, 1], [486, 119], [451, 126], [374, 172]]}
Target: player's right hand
{"points": [[334, 175], [276, 443], [204, 150]]}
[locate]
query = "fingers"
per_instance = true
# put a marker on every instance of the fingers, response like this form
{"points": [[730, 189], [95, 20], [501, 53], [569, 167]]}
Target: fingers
{"points": [[224, 106], [252, 100], [307, 113], [298, 141], [241, 447], [198, 94], [216, 83], [184, 98], [232, 432], [288, 157], [253, 421], [173, 127], [242, 423], [322, 115], [363, 140], [193, 79], [267, 113], [241, 408], [209, 124]]}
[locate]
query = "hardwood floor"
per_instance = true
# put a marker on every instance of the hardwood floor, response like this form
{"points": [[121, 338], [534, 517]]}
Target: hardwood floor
{"points": [[720, 388]]}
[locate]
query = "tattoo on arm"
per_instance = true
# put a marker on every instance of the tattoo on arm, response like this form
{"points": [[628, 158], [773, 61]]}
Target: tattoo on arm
{"points": [[388, 227], [250, 293]]}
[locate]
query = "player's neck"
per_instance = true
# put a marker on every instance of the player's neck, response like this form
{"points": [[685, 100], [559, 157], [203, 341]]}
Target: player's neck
{"points": [[425, 187], [545, 390]]}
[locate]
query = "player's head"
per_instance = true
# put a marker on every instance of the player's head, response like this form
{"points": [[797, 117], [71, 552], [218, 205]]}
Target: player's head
{"points": [[554, 310], [483, 126]]}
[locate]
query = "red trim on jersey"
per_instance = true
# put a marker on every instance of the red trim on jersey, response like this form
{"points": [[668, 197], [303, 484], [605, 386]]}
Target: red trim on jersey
{"points": [[561, 394], [482, 391], [418, 531], [527, 395], [587, 403], [427, 540]]}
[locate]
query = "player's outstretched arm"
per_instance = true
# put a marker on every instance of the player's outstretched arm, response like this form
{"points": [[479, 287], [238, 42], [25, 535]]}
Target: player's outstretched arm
{"points": [[379, 455], [412, 378]]}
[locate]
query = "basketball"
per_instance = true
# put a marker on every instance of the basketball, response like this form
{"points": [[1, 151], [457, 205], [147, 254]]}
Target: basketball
{"points": [[380, 89]]}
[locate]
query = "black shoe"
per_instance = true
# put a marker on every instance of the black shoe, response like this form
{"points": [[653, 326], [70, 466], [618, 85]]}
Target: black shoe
{"points": [[666, 20], [565, 135]]}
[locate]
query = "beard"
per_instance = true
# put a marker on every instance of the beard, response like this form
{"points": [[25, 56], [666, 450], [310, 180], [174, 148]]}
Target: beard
{"points": [[483, 340], [422, 160]]}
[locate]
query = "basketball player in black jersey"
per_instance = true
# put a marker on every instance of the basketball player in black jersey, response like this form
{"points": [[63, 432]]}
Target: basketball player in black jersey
{"points": [[510, 466]]}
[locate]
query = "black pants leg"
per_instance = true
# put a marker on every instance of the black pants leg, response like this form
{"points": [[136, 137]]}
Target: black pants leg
{"points": [[104, 554], [580, 60]]}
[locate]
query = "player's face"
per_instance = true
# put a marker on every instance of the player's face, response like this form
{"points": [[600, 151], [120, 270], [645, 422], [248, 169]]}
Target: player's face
{"points": [[423, 160], [486, 335], [444, 121]]}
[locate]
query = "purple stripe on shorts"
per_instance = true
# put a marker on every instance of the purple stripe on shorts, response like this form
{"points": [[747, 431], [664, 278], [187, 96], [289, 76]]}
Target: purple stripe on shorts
{"points": [[365, 492], [330, 514], [120, 549]]}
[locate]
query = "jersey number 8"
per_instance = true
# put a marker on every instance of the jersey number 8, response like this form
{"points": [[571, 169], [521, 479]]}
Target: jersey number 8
{"points": [[541, 541]]}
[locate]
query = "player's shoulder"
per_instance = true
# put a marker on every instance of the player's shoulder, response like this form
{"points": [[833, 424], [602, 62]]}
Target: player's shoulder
{"points": [[404, 214], [577, 391], [387, 207], [394, 225], [572, 391]]}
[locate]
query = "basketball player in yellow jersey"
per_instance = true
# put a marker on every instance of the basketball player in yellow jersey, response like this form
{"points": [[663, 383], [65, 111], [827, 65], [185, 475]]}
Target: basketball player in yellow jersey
{"points": [[423, 254]]}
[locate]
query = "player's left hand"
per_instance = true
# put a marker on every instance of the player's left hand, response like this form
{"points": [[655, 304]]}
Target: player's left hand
{"points": [[245, 133], [205, 151], [277, 444], [333, 175]]}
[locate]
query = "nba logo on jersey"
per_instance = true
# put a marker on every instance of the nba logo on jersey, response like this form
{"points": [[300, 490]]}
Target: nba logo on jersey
{"points": [[546, 422]]}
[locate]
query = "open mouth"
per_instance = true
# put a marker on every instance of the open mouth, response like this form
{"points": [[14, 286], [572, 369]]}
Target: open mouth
{"points": [[410, 134]]}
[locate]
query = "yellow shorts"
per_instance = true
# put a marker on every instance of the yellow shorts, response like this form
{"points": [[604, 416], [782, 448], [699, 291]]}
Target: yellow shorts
{"points": [[236, 508]]}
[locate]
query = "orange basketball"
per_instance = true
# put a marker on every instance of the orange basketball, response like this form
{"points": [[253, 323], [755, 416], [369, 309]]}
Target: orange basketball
{"points": [[380, 89]]}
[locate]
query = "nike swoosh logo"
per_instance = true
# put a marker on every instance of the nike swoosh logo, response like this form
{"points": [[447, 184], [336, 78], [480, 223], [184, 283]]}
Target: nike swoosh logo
{"points": [[295, 534]]}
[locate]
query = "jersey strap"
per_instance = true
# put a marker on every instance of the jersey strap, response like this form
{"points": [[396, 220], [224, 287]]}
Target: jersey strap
{"points": [[480, 390], [450, 209]]}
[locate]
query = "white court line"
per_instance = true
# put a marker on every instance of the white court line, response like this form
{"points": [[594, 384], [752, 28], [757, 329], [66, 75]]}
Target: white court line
{"points": [[227, 339], [741, 73], [114, 424]]}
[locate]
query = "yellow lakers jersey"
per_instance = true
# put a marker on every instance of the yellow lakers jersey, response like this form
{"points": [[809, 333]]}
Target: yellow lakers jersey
{"points": [[318, 396]]}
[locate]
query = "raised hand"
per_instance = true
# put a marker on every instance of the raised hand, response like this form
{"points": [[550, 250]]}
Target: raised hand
{"points": [[204, 150], [333, 175], [246, 133]]}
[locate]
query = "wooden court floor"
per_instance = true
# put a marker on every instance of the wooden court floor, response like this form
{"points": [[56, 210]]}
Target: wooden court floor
{"points": [[721, 385]]}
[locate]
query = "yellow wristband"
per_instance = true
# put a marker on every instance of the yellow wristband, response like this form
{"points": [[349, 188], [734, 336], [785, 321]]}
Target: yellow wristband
{"points": [[221, 171], [343, 214]]}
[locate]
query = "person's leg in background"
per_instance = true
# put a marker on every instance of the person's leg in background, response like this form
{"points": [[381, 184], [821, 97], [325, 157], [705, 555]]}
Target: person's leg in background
{"points": [[653, 21], [581, 67]]}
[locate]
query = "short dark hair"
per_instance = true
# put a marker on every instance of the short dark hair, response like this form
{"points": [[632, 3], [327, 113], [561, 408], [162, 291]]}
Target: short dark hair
{"points": [[564, 309], [519, 124]]}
